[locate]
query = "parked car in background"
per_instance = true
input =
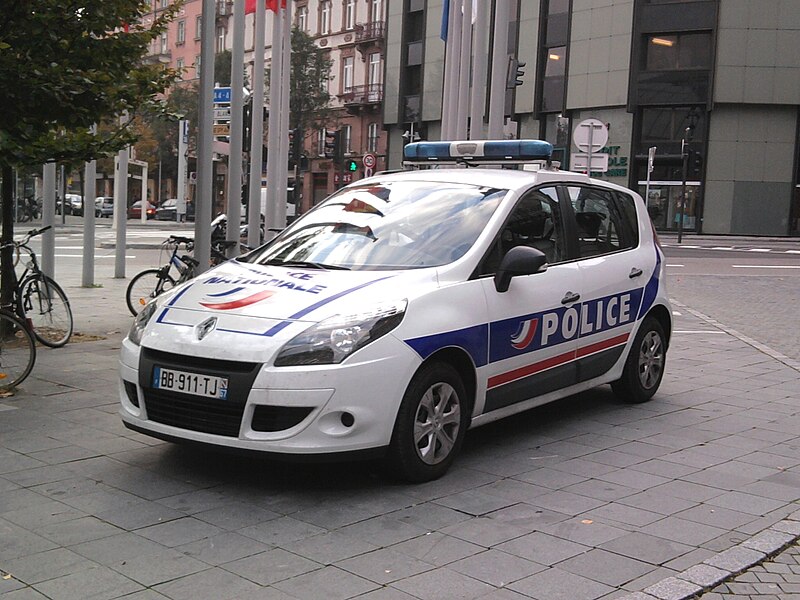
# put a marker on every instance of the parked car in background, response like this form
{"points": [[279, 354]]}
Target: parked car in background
{"points": [[72, 206], [168, 211], [104, 206], [135, 210]]}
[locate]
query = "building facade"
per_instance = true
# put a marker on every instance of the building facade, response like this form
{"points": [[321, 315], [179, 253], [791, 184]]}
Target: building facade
{"points": [[721, 76]]}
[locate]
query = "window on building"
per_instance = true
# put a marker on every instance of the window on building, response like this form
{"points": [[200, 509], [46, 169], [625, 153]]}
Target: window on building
{"points": [[181, 32], [375, 73], [347, 74], [321, 142], [180, 65], [302, 18], [324, 17], [553, 80], [678, 52], [220, 39], [198, 27], [349, 14], [164, 43], [372, 137], [375, 13], [555, 32], [197, 66], [164, 3], [347, 139]]}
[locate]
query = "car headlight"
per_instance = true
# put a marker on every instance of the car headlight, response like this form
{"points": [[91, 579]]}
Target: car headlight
{"points": [[334, 339], [141, 321]]}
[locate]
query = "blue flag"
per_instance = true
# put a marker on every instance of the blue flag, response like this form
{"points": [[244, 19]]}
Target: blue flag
{"points": [[445, 19]]}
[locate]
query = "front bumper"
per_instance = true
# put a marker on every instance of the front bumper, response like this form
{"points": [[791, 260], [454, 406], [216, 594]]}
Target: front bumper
{"points": [[287, 410]]}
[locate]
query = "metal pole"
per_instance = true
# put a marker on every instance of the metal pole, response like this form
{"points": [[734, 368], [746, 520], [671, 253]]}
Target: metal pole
{"points": [[89, 195], [497, 99], [651, 153], [63, 190], [685, 169], [283, 163], [205, 163], [237, 128], [480, 63], [454, 65], [274, 133], [121, 211], [144, 189], [464, 70], [49, 219], [183, 142], [450, 72], [257, 128]]}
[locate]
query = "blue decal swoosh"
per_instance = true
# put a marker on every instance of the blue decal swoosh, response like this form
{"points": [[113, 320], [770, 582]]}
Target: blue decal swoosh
{"points": [[228, 293]]}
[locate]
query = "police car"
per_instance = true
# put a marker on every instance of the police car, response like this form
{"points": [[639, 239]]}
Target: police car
{"points": [[404, 310]]}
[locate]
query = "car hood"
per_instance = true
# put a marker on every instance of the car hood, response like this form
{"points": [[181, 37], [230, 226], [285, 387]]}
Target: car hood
{"points": [[248, 311]]}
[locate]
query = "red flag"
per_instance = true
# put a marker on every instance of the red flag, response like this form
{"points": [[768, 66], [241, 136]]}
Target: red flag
{"points": [[250, 5]]}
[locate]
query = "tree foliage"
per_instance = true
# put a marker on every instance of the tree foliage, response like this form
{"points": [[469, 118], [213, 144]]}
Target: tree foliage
{"points": [[67, 65], [309, 99]]}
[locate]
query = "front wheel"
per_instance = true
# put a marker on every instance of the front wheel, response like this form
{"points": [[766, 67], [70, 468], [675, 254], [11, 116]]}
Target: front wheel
{"points": [[146, 285], [47, 307], [644, 367], [17, 351], [430, 425]]}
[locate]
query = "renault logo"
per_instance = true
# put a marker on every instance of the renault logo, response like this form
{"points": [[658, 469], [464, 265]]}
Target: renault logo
{"points": [[206, 327]]}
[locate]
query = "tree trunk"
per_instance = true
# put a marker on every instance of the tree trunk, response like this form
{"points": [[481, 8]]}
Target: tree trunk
{"points": [[7, 236]]}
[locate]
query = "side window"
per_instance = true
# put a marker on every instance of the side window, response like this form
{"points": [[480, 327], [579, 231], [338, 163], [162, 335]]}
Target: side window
{"points": [[599, 223], [627, 207], [535, 222]]}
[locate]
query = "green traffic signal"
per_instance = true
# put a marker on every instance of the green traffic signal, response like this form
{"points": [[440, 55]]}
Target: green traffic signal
{"points": [[352, 165]]}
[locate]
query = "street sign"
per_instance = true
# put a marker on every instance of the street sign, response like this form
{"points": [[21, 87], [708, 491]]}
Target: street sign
{"points": [[651, 157], [222, 113], [590, 135], [222, 95], [580, 162], [222, 129], [347, 177], [369, 160], [368, 172]]}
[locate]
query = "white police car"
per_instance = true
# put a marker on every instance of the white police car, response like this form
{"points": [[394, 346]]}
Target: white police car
{"points": [[405, 309]]}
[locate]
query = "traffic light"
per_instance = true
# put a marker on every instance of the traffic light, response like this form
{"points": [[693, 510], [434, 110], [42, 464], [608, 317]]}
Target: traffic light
{"points": [[294, 146], [351, 166], [695, 163], [516, 71], [333, 145]]}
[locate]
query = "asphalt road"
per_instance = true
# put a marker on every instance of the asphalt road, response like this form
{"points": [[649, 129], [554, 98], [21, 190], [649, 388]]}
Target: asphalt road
{"points": [[753, 289]]}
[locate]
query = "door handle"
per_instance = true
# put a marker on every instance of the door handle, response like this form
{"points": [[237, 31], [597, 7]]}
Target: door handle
{"points": [[634, 273], [570, 297]]}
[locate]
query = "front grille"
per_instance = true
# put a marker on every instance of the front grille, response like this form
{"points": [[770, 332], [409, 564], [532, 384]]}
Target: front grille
{"points": [[207, 415], [278, 418]]}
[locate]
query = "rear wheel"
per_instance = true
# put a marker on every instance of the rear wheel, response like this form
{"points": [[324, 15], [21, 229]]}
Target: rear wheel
{"points": [[46, 306], [430, 425], [17, 351], [644, 367], [145, 286]]}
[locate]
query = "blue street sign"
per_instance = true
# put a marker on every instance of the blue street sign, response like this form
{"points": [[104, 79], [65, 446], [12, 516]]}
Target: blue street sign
{"points": [[222, 95]]}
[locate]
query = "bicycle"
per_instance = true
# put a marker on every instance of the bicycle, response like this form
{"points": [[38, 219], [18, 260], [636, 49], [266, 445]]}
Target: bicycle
{"points": [[17, 351], [28, 209], [150, 283], [38, 300]]}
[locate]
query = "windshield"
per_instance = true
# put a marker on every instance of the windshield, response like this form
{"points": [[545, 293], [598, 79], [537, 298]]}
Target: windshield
{"points": [[393, 225]]}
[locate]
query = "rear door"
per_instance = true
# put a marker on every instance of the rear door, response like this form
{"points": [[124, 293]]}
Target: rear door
{"points": [[614, 269], [533, 326]]}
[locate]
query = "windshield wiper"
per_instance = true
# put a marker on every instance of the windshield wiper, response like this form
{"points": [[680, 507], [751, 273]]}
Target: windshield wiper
{"points": [[304, 264]]}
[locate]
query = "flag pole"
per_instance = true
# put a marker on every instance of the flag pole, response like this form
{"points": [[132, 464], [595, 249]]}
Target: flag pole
{"points": [[237, 129], [497, 98], [274, 132], [283, 164], [480, 62], [464, 70], [257, 128]]}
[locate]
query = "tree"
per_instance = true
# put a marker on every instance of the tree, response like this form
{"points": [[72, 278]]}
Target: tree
{"points": [[63, 67], [309, 99]]}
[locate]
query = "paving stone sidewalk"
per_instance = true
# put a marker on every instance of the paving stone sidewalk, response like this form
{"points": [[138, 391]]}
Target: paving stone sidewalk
{"points": [[584, 499], [777, 579]]}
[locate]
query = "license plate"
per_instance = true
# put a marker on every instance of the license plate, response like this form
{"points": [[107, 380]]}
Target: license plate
{"points": [[207, 386]]}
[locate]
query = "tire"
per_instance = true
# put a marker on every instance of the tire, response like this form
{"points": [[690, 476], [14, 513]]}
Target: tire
{"points": [[644, 367], [430, 425], [17, 351], [46, 307], [146, 285]]}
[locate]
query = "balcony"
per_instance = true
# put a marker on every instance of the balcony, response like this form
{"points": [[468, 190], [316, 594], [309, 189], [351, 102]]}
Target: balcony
{"points": [[362, 97], [370, 32], [163, 56]]}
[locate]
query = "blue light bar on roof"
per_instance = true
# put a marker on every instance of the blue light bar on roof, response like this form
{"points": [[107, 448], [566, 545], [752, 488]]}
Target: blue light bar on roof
{"points": [[481, 151]]}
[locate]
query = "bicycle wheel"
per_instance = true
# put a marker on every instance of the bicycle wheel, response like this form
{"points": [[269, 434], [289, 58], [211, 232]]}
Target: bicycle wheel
{"points": [[47, 307], [17, 351], [146, 285]]}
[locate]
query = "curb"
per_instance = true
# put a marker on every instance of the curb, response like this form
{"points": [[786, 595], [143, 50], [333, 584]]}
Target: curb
{"points": [[696, 580]]}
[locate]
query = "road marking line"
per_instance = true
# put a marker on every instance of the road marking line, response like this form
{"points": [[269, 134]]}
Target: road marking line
{"points": [[675, 265], [676, 313], [96, 256], [722, 248], [792, 251], [766, 266], [759, 250], [708, 331], [687, 246]]}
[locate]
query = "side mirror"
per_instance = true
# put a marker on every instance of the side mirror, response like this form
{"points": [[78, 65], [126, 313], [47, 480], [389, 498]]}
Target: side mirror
{"points": [[520, 260]]}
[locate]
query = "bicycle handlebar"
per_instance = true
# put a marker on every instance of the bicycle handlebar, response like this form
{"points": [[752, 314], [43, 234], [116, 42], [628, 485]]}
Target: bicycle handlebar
{"points": [[180, 239]]}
